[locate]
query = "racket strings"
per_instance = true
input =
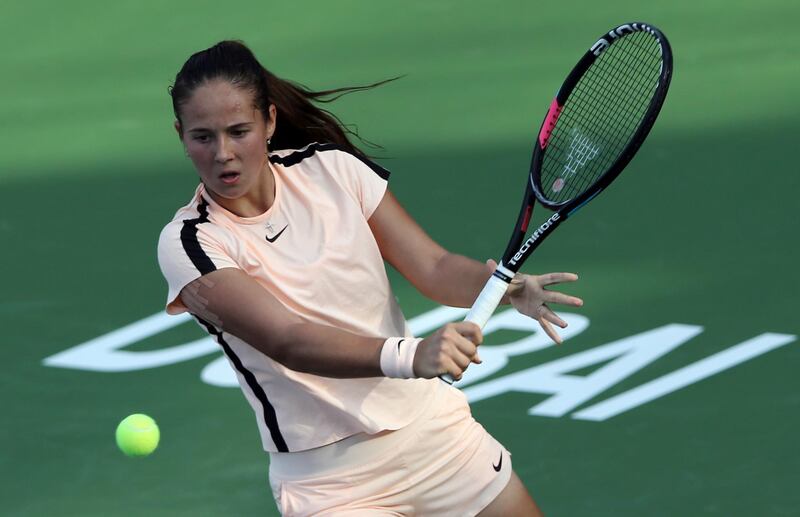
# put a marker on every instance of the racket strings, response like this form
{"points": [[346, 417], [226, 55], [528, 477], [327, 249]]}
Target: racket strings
{"points": [[625, 122], [592, 106], [625, 82], [599, 109], [601, 116], [596, 88], [640, 96]]}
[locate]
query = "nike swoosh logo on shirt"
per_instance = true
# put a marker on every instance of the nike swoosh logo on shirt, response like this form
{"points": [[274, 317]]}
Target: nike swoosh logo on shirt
{"points": [[499, 463], [276, 235]]}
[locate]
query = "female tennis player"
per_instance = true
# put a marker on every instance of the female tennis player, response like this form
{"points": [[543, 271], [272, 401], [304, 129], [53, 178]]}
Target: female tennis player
{"points": [[280, 254]]}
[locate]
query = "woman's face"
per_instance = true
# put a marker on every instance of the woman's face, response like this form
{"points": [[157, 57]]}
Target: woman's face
{"points": [[226, 137]]}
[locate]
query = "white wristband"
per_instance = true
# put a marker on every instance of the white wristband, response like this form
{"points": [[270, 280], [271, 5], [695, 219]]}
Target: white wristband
{"points": [[397, 357]]}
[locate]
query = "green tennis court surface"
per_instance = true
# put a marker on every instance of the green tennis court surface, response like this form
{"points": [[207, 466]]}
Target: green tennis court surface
{"points": [[677, 392]]}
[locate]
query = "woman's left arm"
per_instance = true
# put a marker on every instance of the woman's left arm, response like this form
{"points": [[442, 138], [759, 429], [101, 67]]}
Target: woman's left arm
{"points": [[455, 280]]}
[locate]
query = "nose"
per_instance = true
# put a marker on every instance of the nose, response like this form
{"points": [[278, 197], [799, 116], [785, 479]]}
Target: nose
{"points": [[223, 153]]}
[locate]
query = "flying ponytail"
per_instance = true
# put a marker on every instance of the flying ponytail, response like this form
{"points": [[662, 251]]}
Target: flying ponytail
{"points": [[299, 121]]}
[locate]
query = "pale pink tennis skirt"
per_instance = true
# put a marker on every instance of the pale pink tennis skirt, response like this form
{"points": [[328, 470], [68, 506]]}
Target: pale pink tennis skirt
{"points": [[444, 463]]}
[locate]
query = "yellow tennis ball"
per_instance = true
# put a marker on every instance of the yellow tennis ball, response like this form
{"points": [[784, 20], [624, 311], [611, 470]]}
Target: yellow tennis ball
{"points": [[137, 435]]}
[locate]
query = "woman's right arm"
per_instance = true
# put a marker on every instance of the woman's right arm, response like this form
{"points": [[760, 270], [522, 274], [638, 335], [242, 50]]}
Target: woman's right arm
{"points": [[231, 300]]}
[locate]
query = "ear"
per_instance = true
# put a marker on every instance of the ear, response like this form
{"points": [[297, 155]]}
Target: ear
{"points": [[179, 129], [273, 116]]}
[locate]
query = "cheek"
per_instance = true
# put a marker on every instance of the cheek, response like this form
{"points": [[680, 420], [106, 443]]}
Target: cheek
{"points": [[254, 148], [200, 155]]}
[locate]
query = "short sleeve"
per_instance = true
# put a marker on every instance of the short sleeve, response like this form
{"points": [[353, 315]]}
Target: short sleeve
{"points": [[365, 180], [188, 250]]}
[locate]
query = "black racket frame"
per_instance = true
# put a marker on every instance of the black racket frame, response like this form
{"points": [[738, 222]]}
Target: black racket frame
{"points": [[519, 248]]}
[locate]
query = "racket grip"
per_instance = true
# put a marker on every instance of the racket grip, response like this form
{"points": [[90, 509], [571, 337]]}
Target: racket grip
{"points": [[484, 307], [487, 301]]}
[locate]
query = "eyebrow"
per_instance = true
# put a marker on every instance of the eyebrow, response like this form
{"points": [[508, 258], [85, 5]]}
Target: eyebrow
{"points": [[238, 125]]}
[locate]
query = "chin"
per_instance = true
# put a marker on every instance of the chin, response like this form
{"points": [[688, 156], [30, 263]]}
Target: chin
{"points": [[224, 191]]}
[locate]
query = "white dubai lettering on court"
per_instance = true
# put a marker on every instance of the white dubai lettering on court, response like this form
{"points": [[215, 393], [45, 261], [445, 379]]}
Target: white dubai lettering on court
{"points": [[618, 360]]}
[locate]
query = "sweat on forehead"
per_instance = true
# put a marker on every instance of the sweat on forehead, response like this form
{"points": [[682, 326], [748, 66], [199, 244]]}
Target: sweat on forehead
{"points": [[219, 99]]}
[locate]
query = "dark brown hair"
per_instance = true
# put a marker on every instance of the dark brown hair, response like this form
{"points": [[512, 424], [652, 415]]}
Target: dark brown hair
{"points": [[299, 121]]}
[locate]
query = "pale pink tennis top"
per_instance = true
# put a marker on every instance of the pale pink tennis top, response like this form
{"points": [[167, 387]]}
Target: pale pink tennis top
{"points": [[314, 251]]}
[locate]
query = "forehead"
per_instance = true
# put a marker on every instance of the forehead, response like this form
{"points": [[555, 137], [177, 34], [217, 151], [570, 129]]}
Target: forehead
{"points": [[218, 103]]}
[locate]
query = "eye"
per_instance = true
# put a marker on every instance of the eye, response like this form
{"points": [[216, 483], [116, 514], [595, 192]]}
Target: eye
{"points": [[201, 138], [238, 133]]}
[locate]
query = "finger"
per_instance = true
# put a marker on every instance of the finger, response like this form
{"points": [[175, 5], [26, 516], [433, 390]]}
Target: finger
{"points": [[491, 264], [467, 348], [462, 361], [557, 278], [469, 330], [549, 330], [453, 369], [466, 336], [562, 299], [552, 317]]}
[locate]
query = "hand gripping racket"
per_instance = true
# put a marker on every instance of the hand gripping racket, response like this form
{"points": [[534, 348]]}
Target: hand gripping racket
{"points": [[596, 123]]}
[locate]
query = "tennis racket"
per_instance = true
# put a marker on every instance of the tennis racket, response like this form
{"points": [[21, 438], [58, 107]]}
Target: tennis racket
{"points": [[593, 128]]}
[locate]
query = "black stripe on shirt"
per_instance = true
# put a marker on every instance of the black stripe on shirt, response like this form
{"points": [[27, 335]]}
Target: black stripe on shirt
{"points": [[270, 419], [190, 243], [298, 156]]}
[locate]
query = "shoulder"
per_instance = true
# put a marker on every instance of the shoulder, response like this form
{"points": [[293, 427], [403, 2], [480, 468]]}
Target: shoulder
{"points": [[190, 222], [194, 212], [331, 156]]}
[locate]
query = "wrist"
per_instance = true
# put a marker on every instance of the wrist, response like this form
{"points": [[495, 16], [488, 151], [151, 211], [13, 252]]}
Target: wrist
{"points": [[397, 357]]}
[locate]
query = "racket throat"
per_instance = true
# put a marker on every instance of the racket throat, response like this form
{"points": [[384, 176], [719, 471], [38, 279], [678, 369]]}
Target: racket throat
{"points": [[533, 241]]}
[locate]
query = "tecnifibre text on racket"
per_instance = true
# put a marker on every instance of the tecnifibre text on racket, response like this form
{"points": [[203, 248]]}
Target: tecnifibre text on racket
{"points": [[596, 123]]}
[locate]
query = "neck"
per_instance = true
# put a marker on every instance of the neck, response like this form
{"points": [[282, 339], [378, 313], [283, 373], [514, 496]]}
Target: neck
{"points": [[256, 201]]}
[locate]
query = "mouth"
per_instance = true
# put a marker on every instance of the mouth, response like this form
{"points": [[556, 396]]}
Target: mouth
{"points": [[229, 178]]}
